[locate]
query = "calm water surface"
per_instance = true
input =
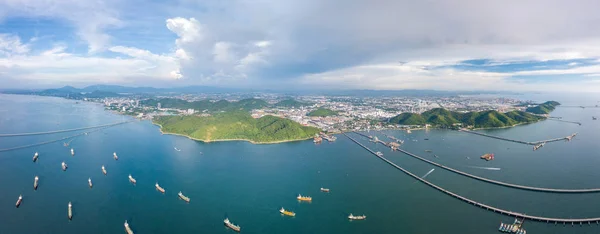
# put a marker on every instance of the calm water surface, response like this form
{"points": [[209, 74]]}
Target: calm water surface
{"points": [[249, 183]]}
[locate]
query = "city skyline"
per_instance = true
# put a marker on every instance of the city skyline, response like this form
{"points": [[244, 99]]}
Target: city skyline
{"points": [[390, 45]]}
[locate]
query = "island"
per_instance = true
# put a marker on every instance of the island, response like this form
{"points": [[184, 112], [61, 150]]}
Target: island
{"points": [[439, 117], [544, 108], [235, 125], [322, 112]]}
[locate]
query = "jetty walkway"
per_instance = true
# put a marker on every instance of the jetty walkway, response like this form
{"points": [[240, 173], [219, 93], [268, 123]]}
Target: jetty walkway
{"points": [[48, 142], [565, 121], [479, 204], [518, 141], [61, 131]]}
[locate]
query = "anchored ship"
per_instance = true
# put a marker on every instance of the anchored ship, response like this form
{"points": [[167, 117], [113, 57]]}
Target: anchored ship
{"points": [[301, 198], [160, 189], [35, 157], [516, 227], [231, 225], [72, 152], [103, 170], [288, 213], [127, 228], [35, 183], [360, 217], [70, 211], [183, 197], [325, 190], [131, 179], [90, 182], [64, 166], [115, 156], [19, 201]]}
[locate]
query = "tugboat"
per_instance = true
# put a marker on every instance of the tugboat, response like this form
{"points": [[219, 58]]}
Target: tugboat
{"points": [[127, 228], [360, 217], [103, 170], [35, 183], [115, 156], [35, 157], [301, 198], [325, 190], [19, 201], [70, 211], [160, 189], [288, 213], [187, 199], [72, 152], [90, 182], [231, 225], [64, 166], [131, 179]]}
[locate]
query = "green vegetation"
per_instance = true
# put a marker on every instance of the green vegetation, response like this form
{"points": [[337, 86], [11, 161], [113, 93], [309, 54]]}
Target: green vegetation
{"points": [[236, 125], [221, 105], [291, 103], [322, 112], [544, 108], [483, 119]]}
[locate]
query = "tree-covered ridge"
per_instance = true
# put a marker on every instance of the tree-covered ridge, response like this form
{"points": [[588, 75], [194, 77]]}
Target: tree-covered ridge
{"points": [[291, 103], [544, 108], [236, 125], [322, 112], [221, 105], [482, 119]]}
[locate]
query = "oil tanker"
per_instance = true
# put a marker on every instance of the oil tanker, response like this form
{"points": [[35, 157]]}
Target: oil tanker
{"points": [[183, 197], [19, 201], [131, 179], [229, 224], [70, 211], [286, 212], [127, 228], [115, 156], [160, 189]]}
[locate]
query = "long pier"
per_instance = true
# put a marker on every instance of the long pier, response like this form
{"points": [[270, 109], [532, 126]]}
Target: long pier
{"points": [[479, 204], [565, 121], [61, 131], [518, 141]]}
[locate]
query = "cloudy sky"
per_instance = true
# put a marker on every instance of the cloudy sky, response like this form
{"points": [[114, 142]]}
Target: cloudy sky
{"points": [[293, 44]]}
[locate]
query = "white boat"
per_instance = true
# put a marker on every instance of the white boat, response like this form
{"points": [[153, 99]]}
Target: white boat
{"points": [[229, 224], [103, 170], [35, 182], [115, 156], [325, 190], [131, 179], [176, 149], [64, 166], [70, 211], [35, 157], [360, 217], [127, 228], [90, 182], [72, 151]]}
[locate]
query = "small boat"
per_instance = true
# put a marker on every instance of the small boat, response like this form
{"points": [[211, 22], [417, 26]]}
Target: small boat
{"points": [[301, 198], [115, 156], [35, 157], [187, 199], [72, 152], [435, 155], [70, 211], [64, 166], [35, 183], [229, 224], [379, 154], [428, 151], [103, 170], [90, 182], [160, 189], [176, 149], [131, 179], [127, 228], [19, 201], [360, 217], [426, 139], [288, 213], [325, 190]]}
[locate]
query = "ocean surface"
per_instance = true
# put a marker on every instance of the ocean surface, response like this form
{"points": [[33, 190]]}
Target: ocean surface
{"points": [[250, 183]]}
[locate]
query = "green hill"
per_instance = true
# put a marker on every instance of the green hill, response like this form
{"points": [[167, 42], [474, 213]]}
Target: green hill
{"points": [[322, 112], [483, 119], [235, 125], [544, 108], [291, 103], [221, 105]]}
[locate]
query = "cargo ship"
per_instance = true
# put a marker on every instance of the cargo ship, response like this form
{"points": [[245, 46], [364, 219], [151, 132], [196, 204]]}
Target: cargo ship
{"points": [[127, 228], [301, 198], [131, 179], [187, 199], [115, 156], [64, 166], [229, 224], [160, 189], [35, 183], [488, 157], [360, 217], [19, 201], [103, 170], [286, 212], [325, 190], [35, 157], [70, 211], [90, 182], [516, 227], [72, 152]]}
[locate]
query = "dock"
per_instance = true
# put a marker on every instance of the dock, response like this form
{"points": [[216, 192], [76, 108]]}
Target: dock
{"points": [[61, 131], [479, 204], [534, 143], [565, 121]]}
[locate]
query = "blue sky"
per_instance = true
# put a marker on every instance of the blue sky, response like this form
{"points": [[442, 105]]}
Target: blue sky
{"points": [[290, 44]]}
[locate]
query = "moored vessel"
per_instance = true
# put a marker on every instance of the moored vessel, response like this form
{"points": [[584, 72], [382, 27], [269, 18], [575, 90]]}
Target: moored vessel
{"points": [[183, 197], [90, 182], [64, 166], [35, 157], [115, 156], [19, 201], [131, 179], [72, 152], [359, 217], [70, 211], [35, 182], [286, 212], [160, 189], [379, 154], [229, 224], [103, 170], [325, 190], [303, 198], [127, 228]]}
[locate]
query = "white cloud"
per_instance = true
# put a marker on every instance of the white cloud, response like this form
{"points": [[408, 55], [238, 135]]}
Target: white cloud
{"points": [[11, 45], [222, 52]]}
